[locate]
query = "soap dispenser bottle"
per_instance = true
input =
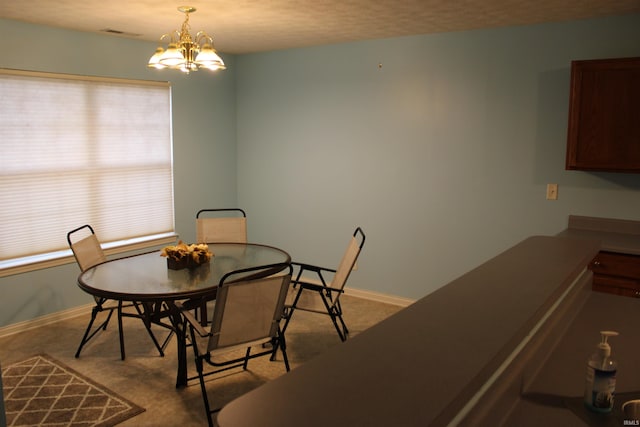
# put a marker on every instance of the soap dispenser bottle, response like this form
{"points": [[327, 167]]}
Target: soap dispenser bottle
{"points": [[601, 376]]}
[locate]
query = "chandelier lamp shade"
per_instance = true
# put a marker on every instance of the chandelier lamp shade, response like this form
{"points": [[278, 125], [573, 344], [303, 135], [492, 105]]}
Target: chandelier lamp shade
{"points": [[186, 53]]}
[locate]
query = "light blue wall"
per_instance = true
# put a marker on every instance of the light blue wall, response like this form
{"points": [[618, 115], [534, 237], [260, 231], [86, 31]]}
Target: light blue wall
{"points": [[442, 154], [204, 129]]}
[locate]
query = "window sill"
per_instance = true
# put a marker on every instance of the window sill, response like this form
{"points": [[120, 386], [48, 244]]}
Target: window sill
{"points": [[53, 259]]}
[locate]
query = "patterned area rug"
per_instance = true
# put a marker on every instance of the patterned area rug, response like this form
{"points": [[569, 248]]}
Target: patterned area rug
{"points": [[41, 391]]}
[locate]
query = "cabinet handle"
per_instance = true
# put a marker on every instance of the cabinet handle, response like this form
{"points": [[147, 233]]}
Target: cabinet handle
{"points": [[596, 263]]}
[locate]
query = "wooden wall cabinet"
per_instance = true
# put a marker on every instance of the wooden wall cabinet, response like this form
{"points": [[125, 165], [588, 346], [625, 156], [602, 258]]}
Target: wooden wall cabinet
{"points": [[616, 273], [604, 115]]}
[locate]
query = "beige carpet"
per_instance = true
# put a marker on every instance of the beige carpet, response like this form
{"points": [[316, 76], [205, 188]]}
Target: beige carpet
{"points": [[149, 380], [41, 391]]}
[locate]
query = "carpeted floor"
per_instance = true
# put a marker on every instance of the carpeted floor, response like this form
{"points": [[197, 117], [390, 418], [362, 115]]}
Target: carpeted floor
{"points": [[41, 391], [149, 380]]}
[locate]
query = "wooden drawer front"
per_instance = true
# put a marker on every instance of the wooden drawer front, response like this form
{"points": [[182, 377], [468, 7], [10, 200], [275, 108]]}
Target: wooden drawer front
{"points": [[616, 285], [614, 264]]}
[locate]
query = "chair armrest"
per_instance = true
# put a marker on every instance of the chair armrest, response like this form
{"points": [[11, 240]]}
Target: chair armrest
{"points": [[191, 319], [317, 286], [302, 268], [313, 268]]}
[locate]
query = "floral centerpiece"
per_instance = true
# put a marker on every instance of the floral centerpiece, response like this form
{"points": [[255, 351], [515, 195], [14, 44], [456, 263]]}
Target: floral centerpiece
{"points": [[186, 256]]}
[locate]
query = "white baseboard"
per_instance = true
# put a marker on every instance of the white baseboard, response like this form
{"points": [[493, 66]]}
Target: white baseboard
{"points": [[376, 296], [370, 295], [86, 310], [45, 320]]}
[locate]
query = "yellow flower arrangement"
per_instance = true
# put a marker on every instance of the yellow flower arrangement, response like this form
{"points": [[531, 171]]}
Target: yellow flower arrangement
{"points": [[183, 255]]}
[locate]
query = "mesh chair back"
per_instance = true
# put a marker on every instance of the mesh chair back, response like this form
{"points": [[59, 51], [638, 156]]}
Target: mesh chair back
{"points": [[221, 229], [87, 250], [348, 260], [347, 263], [248, 312], [218, 230]]}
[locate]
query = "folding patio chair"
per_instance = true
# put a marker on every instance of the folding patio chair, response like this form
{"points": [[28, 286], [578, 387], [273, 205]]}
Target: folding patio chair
{"points": [[221, 226], [224, 225], [315, 294], [87, 251], [246, 317]]}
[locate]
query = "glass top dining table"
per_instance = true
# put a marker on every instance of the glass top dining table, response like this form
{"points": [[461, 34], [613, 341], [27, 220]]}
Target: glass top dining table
{"points": [[146, 278]]}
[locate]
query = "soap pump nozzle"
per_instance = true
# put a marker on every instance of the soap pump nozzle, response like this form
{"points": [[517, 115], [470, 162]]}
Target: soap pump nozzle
{"points": [[603, 346]]}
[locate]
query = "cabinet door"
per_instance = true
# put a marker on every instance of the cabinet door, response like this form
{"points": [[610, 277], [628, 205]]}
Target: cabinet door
{"points": [[604, 115]]}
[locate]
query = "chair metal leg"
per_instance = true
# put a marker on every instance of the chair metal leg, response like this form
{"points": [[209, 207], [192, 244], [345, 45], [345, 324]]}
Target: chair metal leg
{"points": [[203, 388], [288, 314], [344, 333], [343, 336], [289, 310], [143, 315], [200, 370], [88, 334], [246, 359], [335, 313], [106, 322], [147, 324], [283, 346], [338, 314]]}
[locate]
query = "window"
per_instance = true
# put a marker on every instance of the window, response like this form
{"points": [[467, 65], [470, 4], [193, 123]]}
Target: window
{"points": [[78, 150]]}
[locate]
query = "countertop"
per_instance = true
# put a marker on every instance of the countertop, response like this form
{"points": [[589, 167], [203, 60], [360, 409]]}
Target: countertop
{"points": [[427, 364], [553, 397], [615, 235]]}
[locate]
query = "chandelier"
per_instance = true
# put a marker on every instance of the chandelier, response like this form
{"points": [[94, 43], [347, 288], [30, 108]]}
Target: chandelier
{"points": [[185, 53]]}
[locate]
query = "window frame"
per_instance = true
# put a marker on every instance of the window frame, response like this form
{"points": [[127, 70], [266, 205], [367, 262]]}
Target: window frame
{"points": [[22, 264]]}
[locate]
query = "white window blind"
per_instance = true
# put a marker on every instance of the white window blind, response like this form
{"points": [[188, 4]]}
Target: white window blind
{"points": [[79, 150]]}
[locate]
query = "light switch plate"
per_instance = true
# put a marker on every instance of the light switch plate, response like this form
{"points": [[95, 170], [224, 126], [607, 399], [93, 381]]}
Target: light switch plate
{"points": [[552, 191]]}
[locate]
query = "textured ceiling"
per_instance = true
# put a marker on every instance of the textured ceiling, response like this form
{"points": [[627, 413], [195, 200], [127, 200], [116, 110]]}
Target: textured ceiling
{"points": [[245, 26]]}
